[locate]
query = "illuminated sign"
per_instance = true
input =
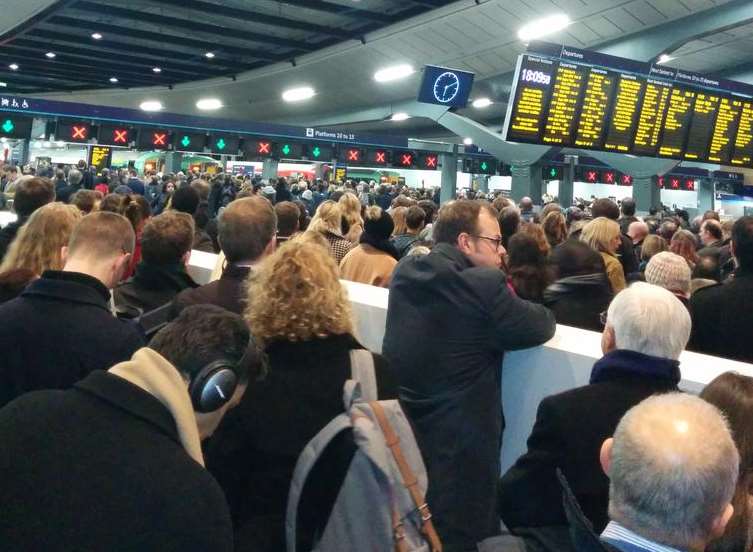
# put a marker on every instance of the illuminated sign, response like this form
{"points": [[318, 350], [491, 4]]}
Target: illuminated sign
{"points": [[114, 135], [154, 139], [290, 150], [378, 157], [189, 141], [448, 87], [12, 126], [351, 155], [430, 161], [224, 144], [626, 180], [73, 132], [689, 184], [475, 165], [406, 159], [551, 172], [100, 157], [591, 176], [609, 177], [319, 152]]}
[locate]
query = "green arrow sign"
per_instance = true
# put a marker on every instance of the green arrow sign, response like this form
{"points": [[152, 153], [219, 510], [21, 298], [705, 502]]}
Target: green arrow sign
{"points": [[286, 149], [8, 126], [484, 166], [316, 152], [552, 172], [185, 142], [221, 144]]}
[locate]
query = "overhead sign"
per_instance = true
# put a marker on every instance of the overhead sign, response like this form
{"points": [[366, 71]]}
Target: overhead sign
{"points": [[378, 157], [319, 152], [351, 156], [258, 149], [406, 159], [448, 87], [114, 135], [189, 141], [77, 131], [224, 144], [429, 161], [154, 138], [100, 157], [564, 96], [290, 150], [15, 126]]}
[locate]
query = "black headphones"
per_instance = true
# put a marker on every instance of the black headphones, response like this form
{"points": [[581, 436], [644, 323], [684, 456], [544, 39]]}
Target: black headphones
{"points": [[214, 385]]}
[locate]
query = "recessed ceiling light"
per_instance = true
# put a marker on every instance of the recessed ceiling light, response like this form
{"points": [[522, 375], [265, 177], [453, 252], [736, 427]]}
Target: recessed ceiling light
{"points": [[664, 58], [482, 103], [13, 66], [298, 94], [113, 79], [96, 36], [467, 141], [400, 116], [210, 55], [209, 104], [50, 55], [157, 69], [394, 73], [151, 105], [543, 27]]}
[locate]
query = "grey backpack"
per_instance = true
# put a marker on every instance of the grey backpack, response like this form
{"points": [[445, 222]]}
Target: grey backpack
{"points": [[380, 505]]}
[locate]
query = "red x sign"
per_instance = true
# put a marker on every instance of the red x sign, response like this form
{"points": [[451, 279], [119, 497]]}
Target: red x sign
{"points": [[120, 136], [674, 183], [353, 155], [264, 147], [159, 138], [78, 132], [431, 161], [407, 159], [609, 177], [381, 157], [592, 176]]}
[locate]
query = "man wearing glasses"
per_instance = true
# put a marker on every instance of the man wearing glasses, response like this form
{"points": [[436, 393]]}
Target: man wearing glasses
{"points": [[450, 319]]}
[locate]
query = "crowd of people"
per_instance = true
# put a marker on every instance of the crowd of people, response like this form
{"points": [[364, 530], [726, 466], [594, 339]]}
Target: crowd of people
{"points": [[140, 410]]}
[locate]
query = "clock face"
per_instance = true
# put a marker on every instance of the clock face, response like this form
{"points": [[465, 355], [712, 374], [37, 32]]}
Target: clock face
{"points": [[446, 87]]}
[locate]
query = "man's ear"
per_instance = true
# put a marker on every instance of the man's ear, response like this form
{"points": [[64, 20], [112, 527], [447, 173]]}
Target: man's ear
{"points": [[63, 255], [464, 243], [186, 257], [605, 455], [608, 340], [720, 523]]}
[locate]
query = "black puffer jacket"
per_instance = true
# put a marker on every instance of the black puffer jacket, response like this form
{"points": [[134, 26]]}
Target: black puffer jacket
{"points": [[579, 300]]}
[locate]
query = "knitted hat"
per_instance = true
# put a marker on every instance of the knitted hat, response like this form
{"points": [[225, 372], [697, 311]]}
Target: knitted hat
{"points": [[669, 271], [378, 223], [307, 195]]}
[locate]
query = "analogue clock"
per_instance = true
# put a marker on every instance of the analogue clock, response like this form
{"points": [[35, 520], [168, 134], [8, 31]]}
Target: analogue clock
{"points": [[446, 87]]}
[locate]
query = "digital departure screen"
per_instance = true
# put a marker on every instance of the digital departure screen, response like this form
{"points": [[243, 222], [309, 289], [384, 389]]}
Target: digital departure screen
{"points": [[564, 96]]}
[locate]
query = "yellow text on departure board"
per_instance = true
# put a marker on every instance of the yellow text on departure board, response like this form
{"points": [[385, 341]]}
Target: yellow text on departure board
{"points": [[721, 140], [565, 94], [744, 138], [593, 111], [680, 104], [623, 115], [651, 116], [527, 118]]}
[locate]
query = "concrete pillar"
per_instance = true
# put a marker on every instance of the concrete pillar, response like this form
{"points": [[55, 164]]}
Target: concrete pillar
{"points": [[173, 161], [269, 169], [449, 175], [706, 195], [646, 194], [526, 181], [565, 194], [483, 183]]}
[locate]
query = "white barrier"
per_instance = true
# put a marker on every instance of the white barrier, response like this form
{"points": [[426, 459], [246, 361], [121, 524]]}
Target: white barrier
{"points": [[6, 217], [564, 362]]}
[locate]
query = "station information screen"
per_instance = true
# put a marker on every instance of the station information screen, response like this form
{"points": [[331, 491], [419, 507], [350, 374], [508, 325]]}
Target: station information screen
{"points": [[568, 97]]}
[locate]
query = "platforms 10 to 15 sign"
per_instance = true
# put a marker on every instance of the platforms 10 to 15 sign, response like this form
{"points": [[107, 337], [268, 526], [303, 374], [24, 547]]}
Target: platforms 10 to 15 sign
{"points": [[568, 97]]}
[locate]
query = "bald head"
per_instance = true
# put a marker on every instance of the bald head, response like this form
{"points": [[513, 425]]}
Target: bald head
{"points": [[673, 468], [526, 204], [637, 231]]}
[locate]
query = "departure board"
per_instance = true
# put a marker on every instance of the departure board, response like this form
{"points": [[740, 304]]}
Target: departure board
{"points": [[677, 122], [560, 123], [598, 96], [565, 96], [725, 129], [624, 114], [651, 117]]}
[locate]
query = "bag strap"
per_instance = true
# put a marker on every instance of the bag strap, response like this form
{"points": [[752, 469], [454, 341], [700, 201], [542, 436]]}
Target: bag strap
{"points": [[362, 370], [410, 481], [303, 467]]}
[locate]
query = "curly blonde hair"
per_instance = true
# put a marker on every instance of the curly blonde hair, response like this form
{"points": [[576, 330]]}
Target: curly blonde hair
{"points": [[328, 218], [38, 243], [296, 295]]}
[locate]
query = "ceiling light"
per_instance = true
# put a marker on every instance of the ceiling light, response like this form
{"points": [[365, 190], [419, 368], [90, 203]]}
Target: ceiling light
{"points": [[96, 36], [50, 55], [210, 55], [13, 66], [298, 94], [400, 116], [157, 69], [543, 27], [394, 73], [664, 58], [482, 103], [151, 105], [209, 104], [467, 141], [3, 84], [113, 80]]}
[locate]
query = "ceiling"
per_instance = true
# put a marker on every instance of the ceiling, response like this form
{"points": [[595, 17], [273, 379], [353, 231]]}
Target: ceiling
{"points": [[165, 42], [475, 35]]}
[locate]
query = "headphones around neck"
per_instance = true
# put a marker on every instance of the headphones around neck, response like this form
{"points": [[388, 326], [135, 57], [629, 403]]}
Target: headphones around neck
{"points": [[214, 385]]}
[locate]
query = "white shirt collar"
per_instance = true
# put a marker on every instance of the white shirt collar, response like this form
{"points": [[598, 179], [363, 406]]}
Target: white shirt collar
{"points": [[617, 532]]}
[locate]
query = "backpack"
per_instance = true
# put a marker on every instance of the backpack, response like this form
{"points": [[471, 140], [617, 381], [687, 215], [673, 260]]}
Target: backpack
{"points": [[380, 505]]}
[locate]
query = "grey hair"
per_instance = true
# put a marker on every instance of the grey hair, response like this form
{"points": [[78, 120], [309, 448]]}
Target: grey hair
{"points": [[673, 469], [74, 177], [649, 319]]}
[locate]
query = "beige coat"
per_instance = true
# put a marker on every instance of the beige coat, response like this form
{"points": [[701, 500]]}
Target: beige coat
{"points": [[368, 265]]}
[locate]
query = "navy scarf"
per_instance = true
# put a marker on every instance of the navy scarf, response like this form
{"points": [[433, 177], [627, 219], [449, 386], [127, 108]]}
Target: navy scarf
{"points": [[621, 363]]}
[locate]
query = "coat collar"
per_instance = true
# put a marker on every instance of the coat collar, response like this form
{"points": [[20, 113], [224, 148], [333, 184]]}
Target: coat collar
{"points": [[624, 363], [70, 286], [235, 272], [452, 254], [126, 396], [156, 276]]}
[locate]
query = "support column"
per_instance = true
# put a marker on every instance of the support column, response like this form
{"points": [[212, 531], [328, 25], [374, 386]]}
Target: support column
{"points": [[319, 171], [526, 181], [706, 195], [565, 194], [449, 175], [269, 169], [173, 161], [646, 194], [483, 184]]}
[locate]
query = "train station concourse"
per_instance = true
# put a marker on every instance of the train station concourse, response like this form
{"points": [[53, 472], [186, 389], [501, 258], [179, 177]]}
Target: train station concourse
{"points": [[384, 275]]}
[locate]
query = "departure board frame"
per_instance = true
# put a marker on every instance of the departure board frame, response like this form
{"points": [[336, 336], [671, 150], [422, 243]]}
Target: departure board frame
{"points": [[568, 97]]}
